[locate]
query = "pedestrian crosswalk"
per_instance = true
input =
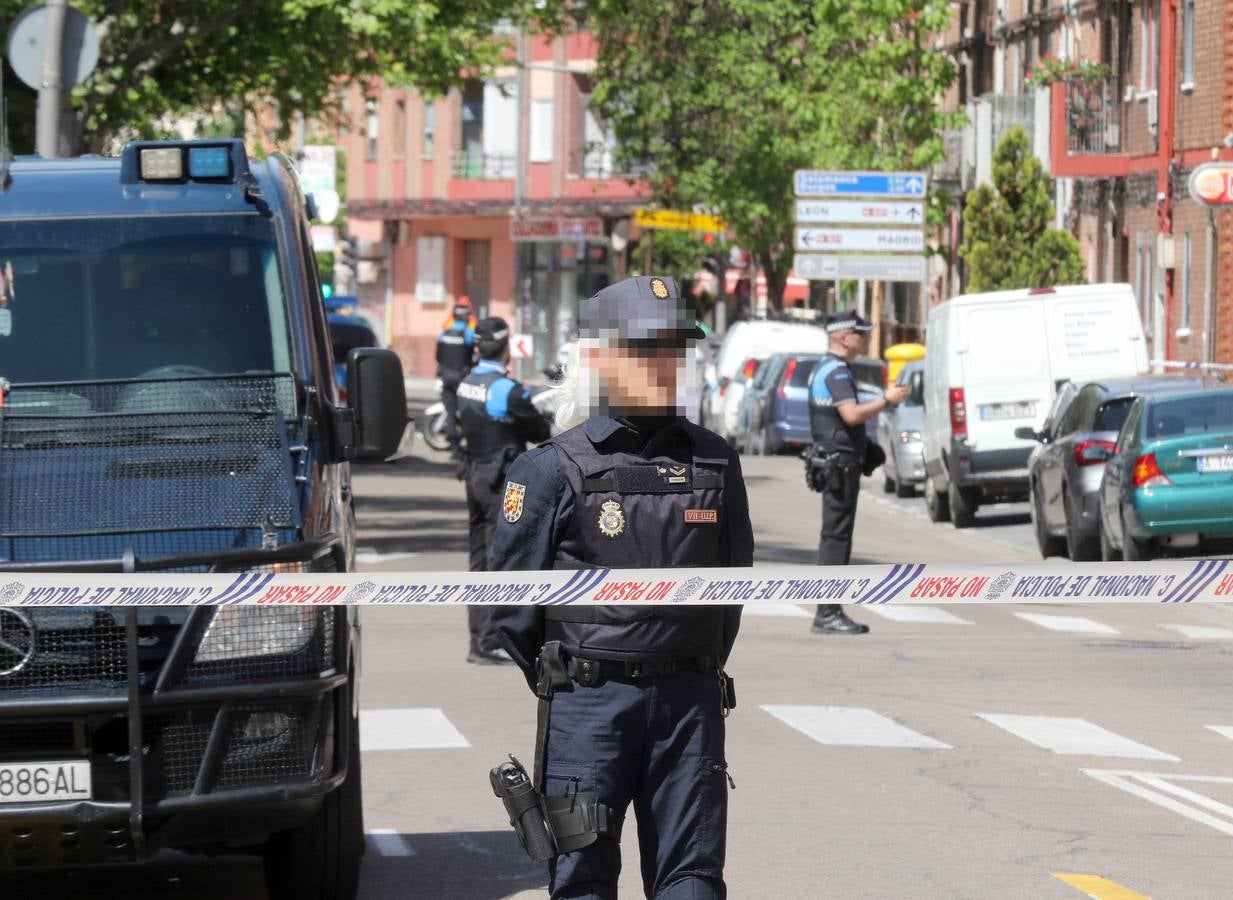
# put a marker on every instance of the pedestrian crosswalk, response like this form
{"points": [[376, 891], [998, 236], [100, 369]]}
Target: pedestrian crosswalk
{"points": [[1091, 625], [850, 727], [1072, 736]]}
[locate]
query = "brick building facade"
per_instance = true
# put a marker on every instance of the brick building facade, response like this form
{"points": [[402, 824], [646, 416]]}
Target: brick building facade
{"points": [[1120, 148]]}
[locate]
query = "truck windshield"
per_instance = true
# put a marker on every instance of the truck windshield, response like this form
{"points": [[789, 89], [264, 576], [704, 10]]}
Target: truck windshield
{"points": [[141, 297]]}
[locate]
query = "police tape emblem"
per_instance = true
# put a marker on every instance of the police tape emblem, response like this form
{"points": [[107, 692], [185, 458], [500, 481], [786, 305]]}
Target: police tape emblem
{"points": [[611, 519], [659, 289], [514, 492]]}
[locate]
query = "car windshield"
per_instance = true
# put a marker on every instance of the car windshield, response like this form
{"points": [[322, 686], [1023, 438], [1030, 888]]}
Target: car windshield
{"points": [[1111, 415], [1191, 415], [152, 296]]}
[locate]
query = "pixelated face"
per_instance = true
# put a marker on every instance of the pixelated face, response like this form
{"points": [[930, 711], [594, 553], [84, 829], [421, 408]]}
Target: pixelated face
{"points": [[644, 376]]}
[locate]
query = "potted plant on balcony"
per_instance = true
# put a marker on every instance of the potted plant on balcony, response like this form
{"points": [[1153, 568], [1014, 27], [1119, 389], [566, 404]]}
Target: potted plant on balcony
{"points": [[1085, 95]]}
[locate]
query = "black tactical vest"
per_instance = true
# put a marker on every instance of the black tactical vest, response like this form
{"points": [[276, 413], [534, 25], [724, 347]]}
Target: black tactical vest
{"points": [[483, 412], [830, 433], [632, 511]]}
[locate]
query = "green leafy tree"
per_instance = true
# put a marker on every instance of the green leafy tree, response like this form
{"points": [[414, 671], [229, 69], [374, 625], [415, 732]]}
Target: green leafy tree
{"points": [[725, 99], [1008, 241], [162, 60]]}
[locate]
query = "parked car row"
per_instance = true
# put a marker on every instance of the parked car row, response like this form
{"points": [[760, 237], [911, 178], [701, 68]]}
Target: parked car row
{"points": [[1133, 468]]}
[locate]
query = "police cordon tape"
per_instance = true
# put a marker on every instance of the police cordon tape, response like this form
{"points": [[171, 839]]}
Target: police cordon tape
{"points": [[1161, 581]]}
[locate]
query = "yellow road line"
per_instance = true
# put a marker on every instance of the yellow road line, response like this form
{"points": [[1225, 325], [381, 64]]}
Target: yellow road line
{"points": [[1099, 888]]}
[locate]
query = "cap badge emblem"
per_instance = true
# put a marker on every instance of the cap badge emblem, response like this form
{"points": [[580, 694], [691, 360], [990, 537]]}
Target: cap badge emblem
{"points": [[611, 519], [659, 289]]}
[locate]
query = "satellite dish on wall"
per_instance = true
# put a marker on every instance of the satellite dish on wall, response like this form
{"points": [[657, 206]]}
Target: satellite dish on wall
{"points": [[619, 239]]}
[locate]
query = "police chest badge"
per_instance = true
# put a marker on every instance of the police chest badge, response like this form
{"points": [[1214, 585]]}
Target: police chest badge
{"points": [[514, 492], [611, 519]]}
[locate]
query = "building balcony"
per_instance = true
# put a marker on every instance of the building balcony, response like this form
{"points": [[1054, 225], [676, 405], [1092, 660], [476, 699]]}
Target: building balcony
{"points": [[1093, 117], [598, 161], [472, 165]]}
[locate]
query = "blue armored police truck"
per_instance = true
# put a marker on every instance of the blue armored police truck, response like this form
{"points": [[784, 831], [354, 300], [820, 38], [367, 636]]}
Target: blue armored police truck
{"points": [[169, 405]]}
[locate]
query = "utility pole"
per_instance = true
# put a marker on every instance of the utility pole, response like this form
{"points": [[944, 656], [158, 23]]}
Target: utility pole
{"points": [[47, 119]]}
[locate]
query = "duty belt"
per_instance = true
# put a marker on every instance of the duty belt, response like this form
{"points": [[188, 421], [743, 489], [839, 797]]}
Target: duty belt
{"points": [[592, 671]]}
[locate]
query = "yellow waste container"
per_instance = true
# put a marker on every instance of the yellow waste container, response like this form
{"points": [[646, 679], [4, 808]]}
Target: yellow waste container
{"points": [[900, 354]]}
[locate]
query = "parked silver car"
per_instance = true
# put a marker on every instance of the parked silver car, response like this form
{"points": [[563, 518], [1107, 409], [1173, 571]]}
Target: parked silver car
{"points": [[899, 434], [1066, 469]]}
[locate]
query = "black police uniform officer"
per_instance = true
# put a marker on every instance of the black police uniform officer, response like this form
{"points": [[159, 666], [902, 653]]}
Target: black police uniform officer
{"points": [[834, 384], [633, 699], [498, 420], [455, 354]]}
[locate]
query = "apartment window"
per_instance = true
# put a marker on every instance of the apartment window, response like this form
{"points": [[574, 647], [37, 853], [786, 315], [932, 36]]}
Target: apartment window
{"points": [[371, 130], [400, 128], [430, 128], [1149, 45], [1188, 45], [1184, 324], [542, 130], [430, 269]]}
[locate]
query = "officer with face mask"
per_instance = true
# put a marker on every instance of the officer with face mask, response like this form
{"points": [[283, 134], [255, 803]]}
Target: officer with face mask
{"points": [[498, 421], [632, 698]]}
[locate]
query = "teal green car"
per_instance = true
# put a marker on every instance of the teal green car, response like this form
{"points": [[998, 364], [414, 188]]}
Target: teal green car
{"points": [[1168, 483]]}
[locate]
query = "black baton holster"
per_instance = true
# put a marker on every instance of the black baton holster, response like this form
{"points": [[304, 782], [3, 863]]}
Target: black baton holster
{"points": [[525, 805]]}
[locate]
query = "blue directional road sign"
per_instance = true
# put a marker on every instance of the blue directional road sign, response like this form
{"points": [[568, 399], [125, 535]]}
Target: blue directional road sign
{"points": [[814, 183]]}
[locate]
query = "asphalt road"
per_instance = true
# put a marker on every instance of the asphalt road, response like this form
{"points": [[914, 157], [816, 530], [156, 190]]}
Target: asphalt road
{"points": [[955, 751]]}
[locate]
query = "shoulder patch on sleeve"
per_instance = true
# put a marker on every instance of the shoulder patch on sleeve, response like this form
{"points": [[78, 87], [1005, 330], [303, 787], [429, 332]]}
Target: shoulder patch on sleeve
{"points": [[512, 504]]}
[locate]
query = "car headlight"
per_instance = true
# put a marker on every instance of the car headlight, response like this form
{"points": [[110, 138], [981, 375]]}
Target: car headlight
{"points": [[907, 437], [242, 632]]}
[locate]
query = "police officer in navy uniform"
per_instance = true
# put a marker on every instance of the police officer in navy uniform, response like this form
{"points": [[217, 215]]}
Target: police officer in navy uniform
{"points": [[632, 697], [837, 420], [455, 355], [498, 420]]}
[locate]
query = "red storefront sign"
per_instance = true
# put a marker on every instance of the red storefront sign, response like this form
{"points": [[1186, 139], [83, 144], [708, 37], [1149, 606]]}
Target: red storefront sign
{"points": [[556, 228]]}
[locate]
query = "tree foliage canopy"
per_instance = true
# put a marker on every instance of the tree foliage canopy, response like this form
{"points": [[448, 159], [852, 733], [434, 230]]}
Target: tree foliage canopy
{"points": [[727, 98], [161, 60], [1008, 238]]}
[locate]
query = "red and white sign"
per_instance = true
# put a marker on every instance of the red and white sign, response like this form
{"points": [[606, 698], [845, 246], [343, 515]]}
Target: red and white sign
{"points": [[1212, 184], [521, 346], [556, 228]]}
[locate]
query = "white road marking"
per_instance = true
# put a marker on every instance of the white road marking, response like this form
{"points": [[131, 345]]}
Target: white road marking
{"points": [[1225, 730], [1076, 624], [408, 729], [368, 555], [775, 609], [1073, 736], [1202, 632], [930, 615], [851, 727], [1166, 794], [388, 842]]}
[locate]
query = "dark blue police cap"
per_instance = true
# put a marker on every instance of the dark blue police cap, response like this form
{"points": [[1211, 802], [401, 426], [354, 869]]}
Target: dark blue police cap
{"points": [[847, 321], [645, 307], [493, 329]]}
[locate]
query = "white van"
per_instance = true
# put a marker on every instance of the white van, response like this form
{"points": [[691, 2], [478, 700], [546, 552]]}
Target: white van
{"points": [[750, 340], [994, 363]]}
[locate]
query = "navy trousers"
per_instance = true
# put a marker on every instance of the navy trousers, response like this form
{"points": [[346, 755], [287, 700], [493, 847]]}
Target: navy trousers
{"points": [[656, 743]]}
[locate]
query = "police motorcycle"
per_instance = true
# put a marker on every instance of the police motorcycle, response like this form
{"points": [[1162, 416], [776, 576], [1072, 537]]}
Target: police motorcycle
{"points": [[431, 423]]}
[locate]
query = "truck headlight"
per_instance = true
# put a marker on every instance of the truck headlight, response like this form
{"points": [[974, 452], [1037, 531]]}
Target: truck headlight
{"points": [[241, 632], [907, 437]]}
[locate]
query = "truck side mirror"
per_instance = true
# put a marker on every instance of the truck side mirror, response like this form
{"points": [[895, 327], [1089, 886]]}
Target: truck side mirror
{"points": [[379, 398]]}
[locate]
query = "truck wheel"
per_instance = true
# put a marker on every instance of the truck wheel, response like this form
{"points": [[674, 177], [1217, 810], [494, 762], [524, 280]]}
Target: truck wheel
{"points": [[888, 483], [936, 503], [904, 490], [962, 509], [320, 860]]}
